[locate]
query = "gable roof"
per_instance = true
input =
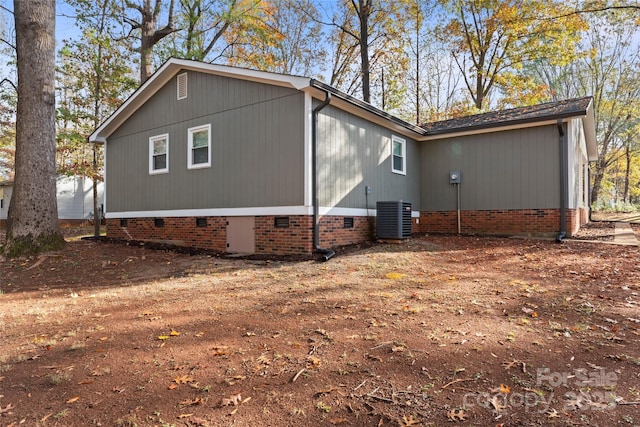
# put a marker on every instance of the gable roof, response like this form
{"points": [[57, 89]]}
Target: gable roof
{"points": [[317, 89], [535, 115], [548, 112]]}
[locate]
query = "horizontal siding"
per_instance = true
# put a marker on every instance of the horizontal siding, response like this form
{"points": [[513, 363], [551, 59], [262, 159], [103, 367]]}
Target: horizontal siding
{"points": [[516, 169], [354, 153], [257, 138]]}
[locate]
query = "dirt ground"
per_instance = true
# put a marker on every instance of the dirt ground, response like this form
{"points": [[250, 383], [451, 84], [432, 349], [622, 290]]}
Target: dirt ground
{"points": [[444, 330]]}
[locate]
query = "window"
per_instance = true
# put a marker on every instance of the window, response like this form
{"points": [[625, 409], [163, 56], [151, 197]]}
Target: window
{"points": [[124, 223], [199, 155], [158, 222], [201, 222], [159, 154], [182, 86], [348, 222], [398, 155]]}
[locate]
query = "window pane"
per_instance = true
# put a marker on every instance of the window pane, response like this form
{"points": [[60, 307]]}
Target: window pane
{"points": [[397, 163], [160, 161], [397, 149], [159, 146], [200, 155], [200, 139]]}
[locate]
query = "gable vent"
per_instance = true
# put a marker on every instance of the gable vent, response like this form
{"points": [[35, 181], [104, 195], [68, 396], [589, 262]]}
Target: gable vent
{"points": [[182, 86]]}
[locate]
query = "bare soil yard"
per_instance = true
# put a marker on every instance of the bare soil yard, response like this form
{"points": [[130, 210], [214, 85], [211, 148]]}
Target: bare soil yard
{"points": [[437, 331]]}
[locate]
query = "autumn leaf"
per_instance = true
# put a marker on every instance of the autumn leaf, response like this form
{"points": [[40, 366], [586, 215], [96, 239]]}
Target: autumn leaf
{"points": [[185, 379], [220, 350], [395, 276], [6, 409], [193, 402], [233, 400], [457, 415], [174, 333], [172, 386], [504, 389], [73, 399], [408, 421], [163, 337], [336, 421]]}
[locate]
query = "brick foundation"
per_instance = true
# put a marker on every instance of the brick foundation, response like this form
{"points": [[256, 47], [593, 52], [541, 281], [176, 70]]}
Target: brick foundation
{"points": [[297, 238], [511, 222], [180, 231]]}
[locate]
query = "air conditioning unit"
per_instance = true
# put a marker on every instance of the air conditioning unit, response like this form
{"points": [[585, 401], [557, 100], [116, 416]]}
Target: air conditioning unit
{"points": [[393, 220]]}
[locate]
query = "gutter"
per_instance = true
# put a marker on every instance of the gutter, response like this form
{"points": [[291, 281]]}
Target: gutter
{"points": [[563, 182], [327, 253]]}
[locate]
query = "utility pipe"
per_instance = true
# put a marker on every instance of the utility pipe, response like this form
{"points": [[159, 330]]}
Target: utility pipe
{"points": [[327, 254]]}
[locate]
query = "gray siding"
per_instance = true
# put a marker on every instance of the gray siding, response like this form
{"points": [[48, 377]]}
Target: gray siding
{"points": [[257, 139], [354, 153], [517, 169]]}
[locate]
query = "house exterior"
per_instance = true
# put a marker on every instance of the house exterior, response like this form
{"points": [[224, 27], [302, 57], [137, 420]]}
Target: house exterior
{"points": [[74, 198], [245, 161]]}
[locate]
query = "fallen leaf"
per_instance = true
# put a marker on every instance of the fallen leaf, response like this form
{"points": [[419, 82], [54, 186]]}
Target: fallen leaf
{"points": [[183, 416], [73, 399], [408, 421], [395, 276], [193, 402], [6, 408], [163, 337], [220, 350], [336, 421], [172, 386], [185, 379], [174, 333], [233, 400], [497, 403], [457, 415], [85, 382]]}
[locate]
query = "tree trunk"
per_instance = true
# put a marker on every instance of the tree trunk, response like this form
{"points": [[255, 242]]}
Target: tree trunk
{"points": [[627, 172], [363, 14], [597, 180], [32, 223]]}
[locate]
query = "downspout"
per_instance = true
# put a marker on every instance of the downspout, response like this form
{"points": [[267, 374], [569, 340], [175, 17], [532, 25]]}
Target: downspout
{"points": [[563, 183], [327, 254]]}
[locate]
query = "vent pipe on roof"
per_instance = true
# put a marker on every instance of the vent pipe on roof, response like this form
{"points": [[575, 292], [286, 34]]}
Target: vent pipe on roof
{"points": [[327, 253], [563, 182]]}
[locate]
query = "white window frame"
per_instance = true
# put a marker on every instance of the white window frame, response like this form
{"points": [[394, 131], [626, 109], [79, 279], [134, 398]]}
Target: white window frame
{"points": [[403, 144], [190, 132], [152, 140]]}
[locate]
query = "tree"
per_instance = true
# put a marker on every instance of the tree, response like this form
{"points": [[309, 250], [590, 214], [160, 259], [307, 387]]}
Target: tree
{"points": [[374, 32], [297, 47], [94, 79], [610, 72], [150, 33], [32, 223], [492, 39]]}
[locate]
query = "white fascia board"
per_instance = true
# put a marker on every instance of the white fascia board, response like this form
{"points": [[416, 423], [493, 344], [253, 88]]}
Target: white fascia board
{"points": [[166, 73]]}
